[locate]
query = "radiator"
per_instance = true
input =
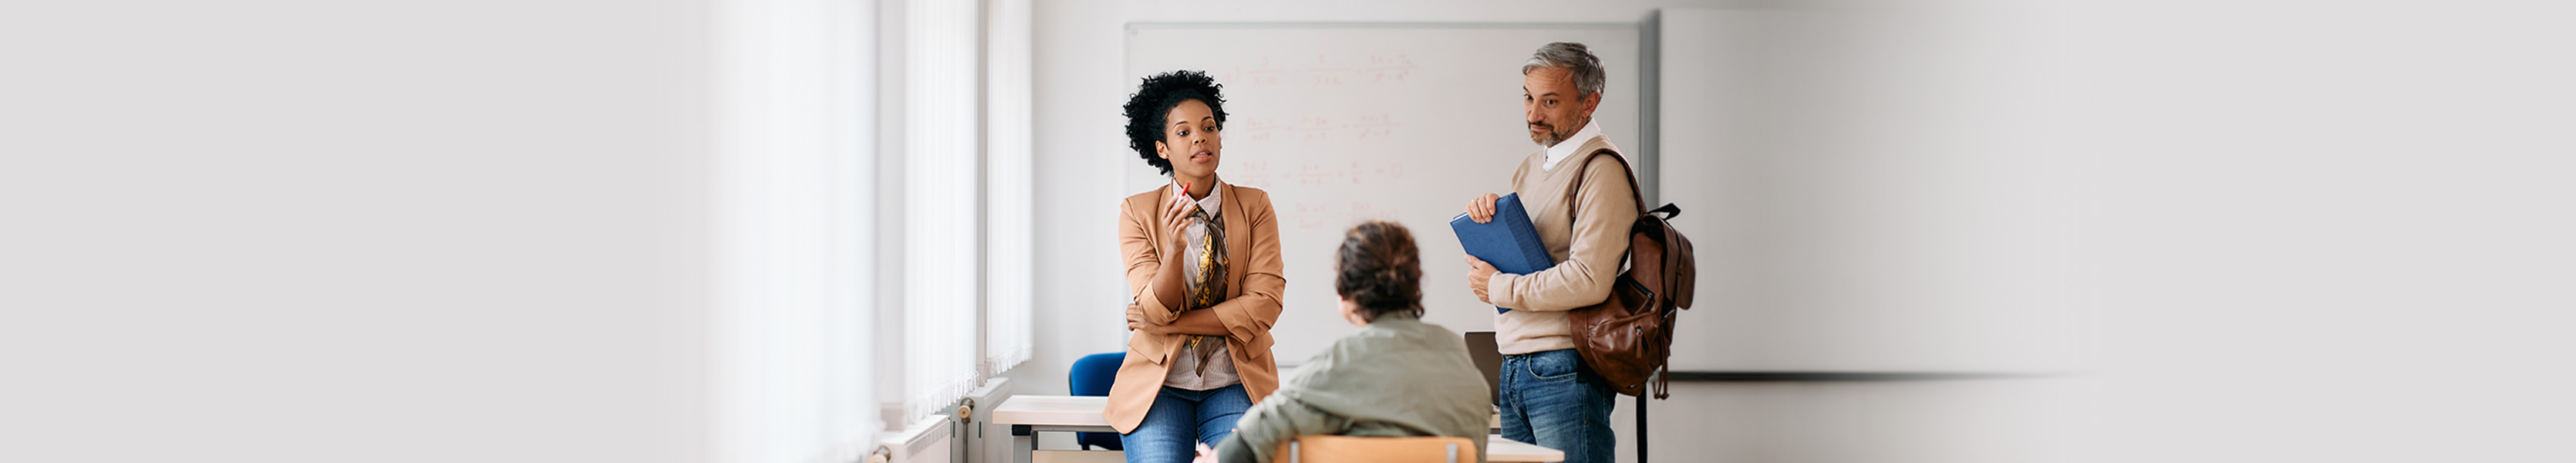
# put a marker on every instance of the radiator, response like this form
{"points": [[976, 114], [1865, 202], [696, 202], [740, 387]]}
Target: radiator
{"points": [[930, 440], [943, 438]]}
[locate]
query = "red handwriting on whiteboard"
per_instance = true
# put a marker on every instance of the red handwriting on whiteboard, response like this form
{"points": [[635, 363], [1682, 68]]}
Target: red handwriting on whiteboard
{"points": [[1343, 173], [1336, 214], [1254, 174], [1315, 128], [1323, 70], [1374, 126]]}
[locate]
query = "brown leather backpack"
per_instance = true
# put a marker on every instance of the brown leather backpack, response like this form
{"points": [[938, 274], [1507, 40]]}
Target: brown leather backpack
{"points": [[1628, 337]]}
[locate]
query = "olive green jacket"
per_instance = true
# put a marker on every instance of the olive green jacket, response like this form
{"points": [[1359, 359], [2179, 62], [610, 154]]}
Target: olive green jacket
{"points": [[1397, 376]]}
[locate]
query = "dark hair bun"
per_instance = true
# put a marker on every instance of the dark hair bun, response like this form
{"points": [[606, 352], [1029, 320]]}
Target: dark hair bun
{"points": [[1379, 269], [1154, 100]]}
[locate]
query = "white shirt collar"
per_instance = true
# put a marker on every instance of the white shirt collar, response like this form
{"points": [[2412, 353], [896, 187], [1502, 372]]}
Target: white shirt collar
{"points": [[1563, 149], [1214, 199]]}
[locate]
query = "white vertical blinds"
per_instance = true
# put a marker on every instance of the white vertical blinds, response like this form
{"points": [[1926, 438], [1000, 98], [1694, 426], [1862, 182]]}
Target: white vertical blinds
{"points": [[1008, 208], [797, 330], [942, 290], [793, 206]]}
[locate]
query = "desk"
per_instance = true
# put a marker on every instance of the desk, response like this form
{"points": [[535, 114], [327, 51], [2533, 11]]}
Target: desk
{"points": [[1028, 415]]}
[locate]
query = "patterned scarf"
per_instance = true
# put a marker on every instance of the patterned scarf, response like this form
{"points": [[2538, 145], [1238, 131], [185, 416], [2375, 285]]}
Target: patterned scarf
{"points": [[1208, 286]]}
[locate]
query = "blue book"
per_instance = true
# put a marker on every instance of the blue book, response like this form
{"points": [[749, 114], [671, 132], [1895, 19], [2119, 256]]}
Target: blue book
{"points": [[1509, 242]]}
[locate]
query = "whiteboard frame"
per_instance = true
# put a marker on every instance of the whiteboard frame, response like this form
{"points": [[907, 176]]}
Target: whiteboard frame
{"points": [[1645, 152]]}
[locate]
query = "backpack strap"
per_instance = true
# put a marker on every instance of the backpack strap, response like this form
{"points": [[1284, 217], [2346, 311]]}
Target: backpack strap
{"points": [[1579, 170]]}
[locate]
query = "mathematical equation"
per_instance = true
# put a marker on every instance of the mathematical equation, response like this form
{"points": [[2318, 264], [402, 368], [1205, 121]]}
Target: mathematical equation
{"points": [[1316, 173], [1334, 215], [1323, 70], [1377, 126]]}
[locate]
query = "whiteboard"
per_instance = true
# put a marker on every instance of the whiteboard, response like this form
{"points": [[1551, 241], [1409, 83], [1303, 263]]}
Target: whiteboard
{"points": [[1401, 122]]}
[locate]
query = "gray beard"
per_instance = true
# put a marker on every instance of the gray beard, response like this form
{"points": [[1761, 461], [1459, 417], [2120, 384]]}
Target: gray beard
{"points": [[1554, 138]]}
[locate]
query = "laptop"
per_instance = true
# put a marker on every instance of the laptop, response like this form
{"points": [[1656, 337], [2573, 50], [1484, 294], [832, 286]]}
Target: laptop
{"points": [[1489, 358]]}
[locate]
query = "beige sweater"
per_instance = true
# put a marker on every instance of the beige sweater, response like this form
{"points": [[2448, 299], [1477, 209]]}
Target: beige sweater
{"points": [[1588, 245]]}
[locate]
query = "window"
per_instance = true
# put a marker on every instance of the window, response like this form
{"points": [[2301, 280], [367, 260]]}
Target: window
{"points": [[794, 208], [942, 287], [1008, 169]]}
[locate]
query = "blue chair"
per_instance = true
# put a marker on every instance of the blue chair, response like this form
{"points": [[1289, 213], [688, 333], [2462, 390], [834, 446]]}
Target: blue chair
{"points": [[1092, 376]]}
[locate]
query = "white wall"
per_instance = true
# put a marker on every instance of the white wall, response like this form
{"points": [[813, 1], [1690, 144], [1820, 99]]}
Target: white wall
{"points": [[2331, 232], [1872, 190], [332, 231]]}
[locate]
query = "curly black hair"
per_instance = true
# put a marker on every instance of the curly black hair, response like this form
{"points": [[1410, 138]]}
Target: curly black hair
{"points": [[1155, 99], [1379, 269]]}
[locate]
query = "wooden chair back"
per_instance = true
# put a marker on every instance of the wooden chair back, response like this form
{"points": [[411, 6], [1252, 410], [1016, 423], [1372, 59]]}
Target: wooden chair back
{"points": [[1351, 449]]}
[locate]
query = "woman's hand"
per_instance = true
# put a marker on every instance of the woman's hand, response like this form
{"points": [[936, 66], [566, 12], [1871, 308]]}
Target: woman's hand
{"points": [[1206, 455], [1481, 209], [1172, 282], [1136, 320], [1478, 272], [1176, 219]]}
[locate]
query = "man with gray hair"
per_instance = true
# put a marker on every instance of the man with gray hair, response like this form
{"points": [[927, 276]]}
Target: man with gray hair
{"points": [[1548, 396]]}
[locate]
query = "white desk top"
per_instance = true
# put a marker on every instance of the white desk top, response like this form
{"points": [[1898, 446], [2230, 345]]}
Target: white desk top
{"points": [[1061, 410], [1498, 449], [1051, 410]]}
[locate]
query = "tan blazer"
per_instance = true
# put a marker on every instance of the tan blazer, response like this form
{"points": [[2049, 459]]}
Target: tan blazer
{"points": [[1253, 284]]}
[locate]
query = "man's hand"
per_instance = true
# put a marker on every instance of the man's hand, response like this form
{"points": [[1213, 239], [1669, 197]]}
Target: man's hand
{"points": [[1477, 273], [1481, 209]]}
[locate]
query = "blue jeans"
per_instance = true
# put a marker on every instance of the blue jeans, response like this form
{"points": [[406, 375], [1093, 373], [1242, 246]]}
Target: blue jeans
{"points": [[1181, 417], [1551, 399]]}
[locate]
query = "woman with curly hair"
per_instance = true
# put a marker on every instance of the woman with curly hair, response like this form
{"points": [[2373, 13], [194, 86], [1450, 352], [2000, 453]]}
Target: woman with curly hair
{"points": [[1397, 376], [1203, 270]]}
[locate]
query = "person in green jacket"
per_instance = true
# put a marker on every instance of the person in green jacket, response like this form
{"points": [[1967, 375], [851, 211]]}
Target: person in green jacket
{"points": [[1397, 376]]}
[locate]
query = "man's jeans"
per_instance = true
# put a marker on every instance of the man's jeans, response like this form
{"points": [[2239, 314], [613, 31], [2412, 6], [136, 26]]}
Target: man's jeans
{"points": [[1182, 418], [1551, 399]]}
